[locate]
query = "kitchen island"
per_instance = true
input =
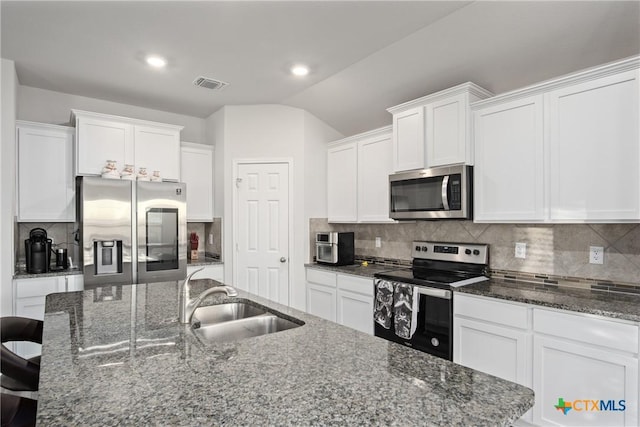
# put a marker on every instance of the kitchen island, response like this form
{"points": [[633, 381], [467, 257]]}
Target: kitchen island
{"points": [[117, 356]]}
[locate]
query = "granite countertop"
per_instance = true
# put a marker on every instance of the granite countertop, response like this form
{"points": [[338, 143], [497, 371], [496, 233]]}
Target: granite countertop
{"points": [[117, 356], [610, 304], [22, 273], [356, 269], [204, 261]]}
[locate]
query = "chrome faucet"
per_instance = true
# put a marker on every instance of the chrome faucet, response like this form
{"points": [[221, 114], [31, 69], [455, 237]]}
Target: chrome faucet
{"points": [[188, 306]]}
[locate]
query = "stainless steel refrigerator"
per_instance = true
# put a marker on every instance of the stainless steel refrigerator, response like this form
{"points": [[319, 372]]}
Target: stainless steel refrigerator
{"points": [[131, 231]]}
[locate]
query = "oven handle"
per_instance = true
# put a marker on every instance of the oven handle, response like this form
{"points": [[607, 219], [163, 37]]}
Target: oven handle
{"points": [[432, 292], [445, 187]]}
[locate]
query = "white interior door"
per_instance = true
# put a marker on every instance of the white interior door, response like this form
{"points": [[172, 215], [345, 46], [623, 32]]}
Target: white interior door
{"points": [[262, 221]]}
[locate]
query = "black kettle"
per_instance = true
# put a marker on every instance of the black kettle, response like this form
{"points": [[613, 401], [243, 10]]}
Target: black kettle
{"points": [[37, 249]]}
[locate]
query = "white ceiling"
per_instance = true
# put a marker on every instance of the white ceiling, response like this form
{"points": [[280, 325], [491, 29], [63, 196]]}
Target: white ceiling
{"points": [[365, 56]]}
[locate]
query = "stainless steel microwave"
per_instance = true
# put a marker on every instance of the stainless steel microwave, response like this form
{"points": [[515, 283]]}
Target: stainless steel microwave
{"points": [[436, 193]]}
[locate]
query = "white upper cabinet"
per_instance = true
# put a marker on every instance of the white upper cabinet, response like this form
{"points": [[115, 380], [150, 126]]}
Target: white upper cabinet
{"points": [[566, 150], [358, 171], [197, 173], [44, 173], [408, 137], [374, 166], [154, 149], [508, 172], [434, 130], [594, 150], [447, 125], [99, 140], [342, 183], [101, 137]]}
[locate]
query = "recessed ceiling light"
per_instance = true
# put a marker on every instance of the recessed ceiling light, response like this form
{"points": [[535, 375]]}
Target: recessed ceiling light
{"points": [[300, 70], [156, 61]]}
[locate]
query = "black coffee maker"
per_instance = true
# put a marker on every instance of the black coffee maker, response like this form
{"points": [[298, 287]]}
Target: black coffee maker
{"points": [[37, 249]]}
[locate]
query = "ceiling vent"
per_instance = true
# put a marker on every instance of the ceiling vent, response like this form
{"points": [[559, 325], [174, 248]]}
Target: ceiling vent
{"points": [[209, 83]]}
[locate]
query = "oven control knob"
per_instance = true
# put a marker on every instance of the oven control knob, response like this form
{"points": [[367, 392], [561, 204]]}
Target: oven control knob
{"points": [[425, 249], [476, 252], [435, 342], [418, 248], [467, 251]]}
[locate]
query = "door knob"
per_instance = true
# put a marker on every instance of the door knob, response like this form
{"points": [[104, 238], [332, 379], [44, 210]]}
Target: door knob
{"points": [[283, 259]]}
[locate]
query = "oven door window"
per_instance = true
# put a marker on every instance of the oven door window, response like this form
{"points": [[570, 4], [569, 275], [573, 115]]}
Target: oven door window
{"points": [[326, 252], [417, 195], [162, 239], [435, 313]]}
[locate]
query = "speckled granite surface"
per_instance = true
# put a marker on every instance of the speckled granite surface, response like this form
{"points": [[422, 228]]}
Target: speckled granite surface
{"points": [[204, 261], [117, 356], [355, 269], [609, 304], [22, 274]]}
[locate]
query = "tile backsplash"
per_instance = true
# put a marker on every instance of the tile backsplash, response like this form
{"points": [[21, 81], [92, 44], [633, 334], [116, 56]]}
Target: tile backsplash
{"points": [[552, 249], [203, 230], [63, 234]]}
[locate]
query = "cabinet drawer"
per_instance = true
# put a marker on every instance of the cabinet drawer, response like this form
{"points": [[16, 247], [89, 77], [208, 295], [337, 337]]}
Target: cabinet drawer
{"points": [[326, 278], [601, 332], [503, 313], [359, 285], [26, 288]]}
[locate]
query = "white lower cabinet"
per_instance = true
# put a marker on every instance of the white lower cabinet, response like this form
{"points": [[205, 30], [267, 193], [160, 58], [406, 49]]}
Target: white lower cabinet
{"points": [[341, 298], [213, 271], [29, 301], [321, 301], [580, 358], [74, 283], [574, 357], [321, 293], [355, 302], [493, 337], [497, 350]]}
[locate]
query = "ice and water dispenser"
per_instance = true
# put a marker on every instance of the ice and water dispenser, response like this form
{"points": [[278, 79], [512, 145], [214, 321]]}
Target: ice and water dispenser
{"points": [[107, 256]]}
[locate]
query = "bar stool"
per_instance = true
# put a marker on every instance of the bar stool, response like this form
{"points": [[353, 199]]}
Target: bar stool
{"points": [[17, 411], [19, 374]]}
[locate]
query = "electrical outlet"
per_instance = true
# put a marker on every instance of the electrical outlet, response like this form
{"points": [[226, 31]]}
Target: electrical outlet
{"points": [[378, 242], [596, 255], [521, 250], [211, 238]]}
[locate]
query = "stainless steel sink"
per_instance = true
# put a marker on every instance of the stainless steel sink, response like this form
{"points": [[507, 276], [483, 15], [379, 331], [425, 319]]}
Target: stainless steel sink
{"points": [[236, 321], [212, 314]]}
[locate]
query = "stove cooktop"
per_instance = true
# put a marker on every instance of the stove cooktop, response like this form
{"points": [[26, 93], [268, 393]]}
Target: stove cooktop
{"points": [[431, 278], [443, 265]]}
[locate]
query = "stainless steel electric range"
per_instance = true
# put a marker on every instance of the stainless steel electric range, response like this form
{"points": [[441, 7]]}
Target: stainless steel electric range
{"points": [[436, 269]]}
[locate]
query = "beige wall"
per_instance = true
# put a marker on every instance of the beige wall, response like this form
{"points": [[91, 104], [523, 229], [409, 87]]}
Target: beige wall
{"points": [[559, 250], [46, 106], [256, 132], [8, 105]]}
